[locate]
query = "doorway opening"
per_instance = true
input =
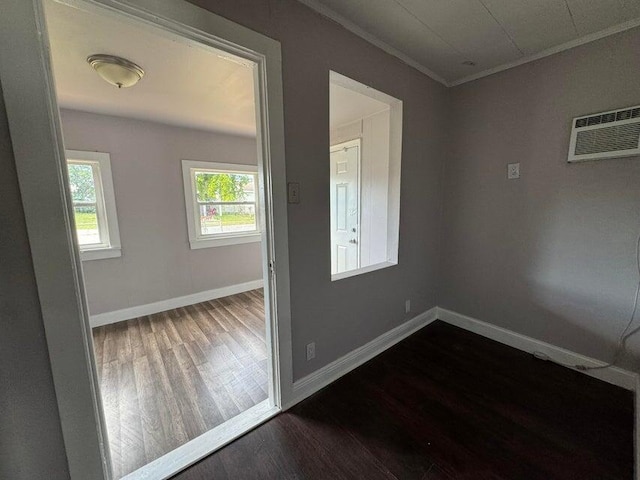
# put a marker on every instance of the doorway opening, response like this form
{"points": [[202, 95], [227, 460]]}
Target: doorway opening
{"points": [[181, 334]]}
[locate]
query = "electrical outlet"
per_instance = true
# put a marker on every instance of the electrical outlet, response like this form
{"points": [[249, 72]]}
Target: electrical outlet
{"points": [[311, 350], [513, 171], [407, 306], [293, 192]]}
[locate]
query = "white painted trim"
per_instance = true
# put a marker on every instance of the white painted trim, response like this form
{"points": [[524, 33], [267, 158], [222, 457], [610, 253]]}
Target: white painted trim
{"points": [[614, 375], [36, 138], [223, 241], [550, 51], [218, 166], [322, 377], [354, 142], [100, 253], [107, 318], [359, 31], [328, 374], [362, 270], [196, 239], [105, 203], [186, 455], [38, 148], [343, 81], [395, 173]]}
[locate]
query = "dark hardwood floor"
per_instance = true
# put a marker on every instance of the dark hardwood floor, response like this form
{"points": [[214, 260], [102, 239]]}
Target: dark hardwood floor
{"points": [[167, 378], [443, 404]]}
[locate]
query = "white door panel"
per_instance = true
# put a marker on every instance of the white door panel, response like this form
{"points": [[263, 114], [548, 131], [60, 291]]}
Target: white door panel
{"points": [[345, 206]]}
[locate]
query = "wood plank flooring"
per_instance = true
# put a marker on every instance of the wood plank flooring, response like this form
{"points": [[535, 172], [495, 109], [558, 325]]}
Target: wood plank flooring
{"points": [[168, 378], [443, 404]]}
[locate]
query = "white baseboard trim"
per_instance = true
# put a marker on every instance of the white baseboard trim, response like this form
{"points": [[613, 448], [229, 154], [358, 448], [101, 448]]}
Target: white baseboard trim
{"points": [[319, 379], [164, 305], [328, 374], [614, 375]]}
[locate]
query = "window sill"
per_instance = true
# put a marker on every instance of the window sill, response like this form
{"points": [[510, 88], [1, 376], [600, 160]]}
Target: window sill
{"points": [[223, 241], [360, 271], [100, 253]]}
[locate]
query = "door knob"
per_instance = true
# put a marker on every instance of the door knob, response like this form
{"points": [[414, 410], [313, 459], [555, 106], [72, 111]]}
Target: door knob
{"points": [[353, 240]]}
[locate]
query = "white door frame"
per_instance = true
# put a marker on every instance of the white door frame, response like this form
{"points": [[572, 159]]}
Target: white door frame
{"points": [[34, 123]]}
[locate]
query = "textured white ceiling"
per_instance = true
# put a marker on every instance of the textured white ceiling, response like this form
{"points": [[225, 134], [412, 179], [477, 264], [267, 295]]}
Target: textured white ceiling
{"points": [[437, 36], [192, 86], [184, 84]]}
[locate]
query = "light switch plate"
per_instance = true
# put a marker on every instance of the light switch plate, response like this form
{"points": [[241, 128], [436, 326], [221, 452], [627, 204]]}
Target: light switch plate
{"points": [[293, 192], [513, 171]]}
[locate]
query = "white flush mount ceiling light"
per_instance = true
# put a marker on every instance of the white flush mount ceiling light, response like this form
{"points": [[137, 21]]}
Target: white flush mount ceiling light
{"points": [[116, 70]]}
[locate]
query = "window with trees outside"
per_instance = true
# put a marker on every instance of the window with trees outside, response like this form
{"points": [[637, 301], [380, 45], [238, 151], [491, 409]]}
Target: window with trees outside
{"points": [[222, 203], [94, 207]]}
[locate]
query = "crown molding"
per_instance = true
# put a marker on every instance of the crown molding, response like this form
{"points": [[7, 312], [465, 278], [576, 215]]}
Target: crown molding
{"points": [[550, 51], [353, 28], [359, 31]]}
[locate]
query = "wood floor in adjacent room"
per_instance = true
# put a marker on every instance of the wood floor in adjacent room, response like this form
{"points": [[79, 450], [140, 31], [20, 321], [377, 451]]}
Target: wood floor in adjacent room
{"points": [[443, 404], [169, 377]]}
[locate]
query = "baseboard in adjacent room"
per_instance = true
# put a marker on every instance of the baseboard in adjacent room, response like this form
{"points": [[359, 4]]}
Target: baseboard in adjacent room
{"points": [[164, 305], [614, 375], [322, 377]]}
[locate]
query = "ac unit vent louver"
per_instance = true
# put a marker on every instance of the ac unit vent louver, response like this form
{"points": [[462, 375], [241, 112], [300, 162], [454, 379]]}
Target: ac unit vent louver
{"points": [[606, 135]]}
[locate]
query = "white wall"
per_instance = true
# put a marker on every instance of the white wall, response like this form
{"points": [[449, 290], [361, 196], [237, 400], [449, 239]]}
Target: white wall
{"points": [[374, 182], [157, 262]]}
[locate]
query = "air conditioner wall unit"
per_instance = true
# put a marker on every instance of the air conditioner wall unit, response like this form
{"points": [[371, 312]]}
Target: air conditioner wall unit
{"points": [[603, 135]]}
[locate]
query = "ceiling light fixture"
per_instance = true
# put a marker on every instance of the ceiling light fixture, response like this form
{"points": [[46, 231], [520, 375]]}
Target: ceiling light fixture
{"points": [[116, 70]]}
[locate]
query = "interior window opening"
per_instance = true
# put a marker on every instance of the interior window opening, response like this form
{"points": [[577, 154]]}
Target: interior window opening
{"points": [[365, 156]]}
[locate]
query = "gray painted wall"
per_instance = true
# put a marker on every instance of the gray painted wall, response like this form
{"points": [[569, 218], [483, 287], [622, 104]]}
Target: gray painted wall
{"points": [[338, 316], [30, 435], [551, 255], [157, 262]]}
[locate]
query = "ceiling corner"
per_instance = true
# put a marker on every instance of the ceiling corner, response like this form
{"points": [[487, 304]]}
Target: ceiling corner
{"points": [[359, 31]]}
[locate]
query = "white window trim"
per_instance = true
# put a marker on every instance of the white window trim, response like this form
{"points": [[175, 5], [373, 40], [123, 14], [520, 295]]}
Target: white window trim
{"points": [[196, 240], [106, 203]]}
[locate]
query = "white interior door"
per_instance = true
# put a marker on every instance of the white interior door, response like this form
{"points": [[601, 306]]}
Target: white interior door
{"points": [[345, 206]]}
